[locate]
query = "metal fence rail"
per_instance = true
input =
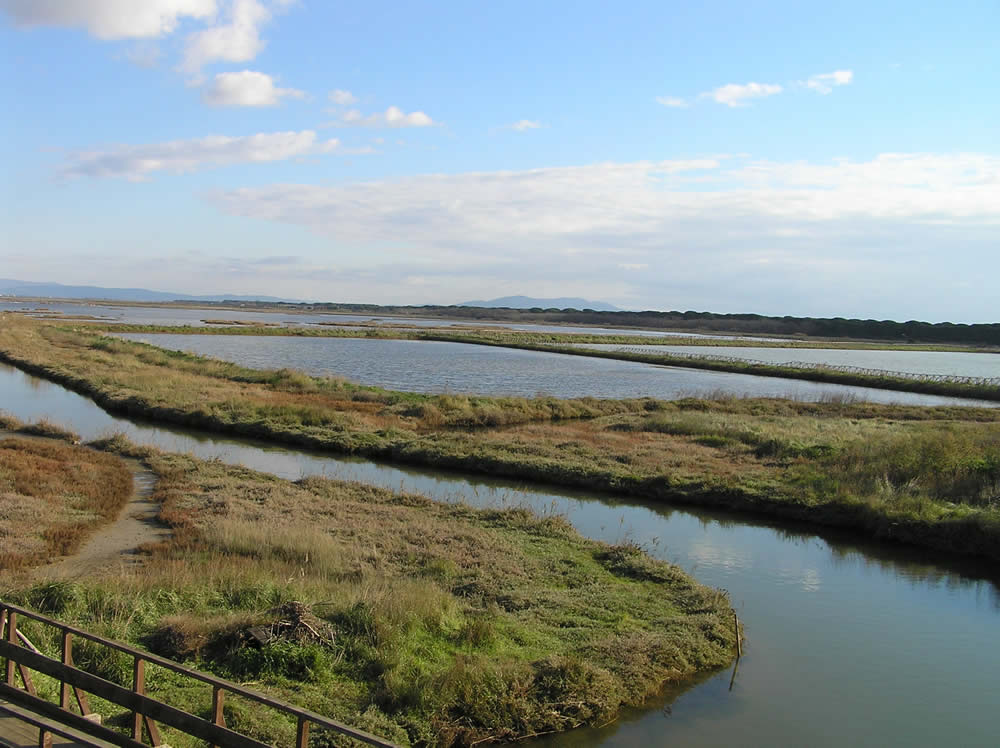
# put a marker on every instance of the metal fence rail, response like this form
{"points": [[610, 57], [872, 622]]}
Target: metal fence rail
{"points": [[21, 658]]}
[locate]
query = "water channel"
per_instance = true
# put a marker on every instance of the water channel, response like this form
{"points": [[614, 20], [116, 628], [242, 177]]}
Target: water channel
{"points": [[432, 366], [848, 642], [950, 363]]}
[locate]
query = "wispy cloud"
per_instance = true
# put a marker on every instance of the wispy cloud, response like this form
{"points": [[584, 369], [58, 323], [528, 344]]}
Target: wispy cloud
{"points": [[340, 97], [391, 117], [110, 19], [236, 40], [138, 162], [524, 125], [144, 54], [737, 95], [824, 83], [674, 231], [247, 88]]}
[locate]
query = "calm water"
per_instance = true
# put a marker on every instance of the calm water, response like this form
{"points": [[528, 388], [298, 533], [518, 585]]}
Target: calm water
{"points": [[848, 643], [425, 366], [914, 362], [194, 318]]}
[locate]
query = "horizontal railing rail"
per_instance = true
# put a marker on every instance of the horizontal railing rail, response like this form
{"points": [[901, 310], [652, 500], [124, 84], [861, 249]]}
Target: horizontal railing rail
{"points": [[48, 726], [21, 658]]}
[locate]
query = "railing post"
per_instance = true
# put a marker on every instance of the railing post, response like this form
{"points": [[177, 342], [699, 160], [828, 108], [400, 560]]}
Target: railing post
{"points": [[67, 659], [302, 733], [3, 624], [139, 686], [218, 717], [12, 638]]}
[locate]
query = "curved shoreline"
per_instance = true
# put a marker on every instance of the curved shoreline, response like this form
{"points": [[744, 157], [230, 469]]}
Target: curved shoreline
{"points": [[915, 384], [973, 534]]}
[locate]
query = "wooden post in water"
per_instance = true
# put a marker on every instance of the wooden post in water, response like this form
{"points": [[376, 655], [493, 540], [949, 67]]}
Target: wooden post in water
{"points": [[739, 644]]}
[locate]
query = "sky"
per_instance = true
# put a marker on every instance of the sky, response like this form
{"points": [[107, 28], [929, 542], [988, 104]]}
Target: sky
{"points": [[785, 158]]}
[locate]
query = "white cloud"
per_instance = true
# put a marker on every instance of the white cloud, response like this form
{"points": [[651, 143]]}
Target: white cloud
{"points": [[824, 82], [110, 19], [525, 124], [247, 88], [391, 117], [876, 237], [341, 97], [144, 54], [137, 162], [735, 95], [236, 41], [672, 102]]}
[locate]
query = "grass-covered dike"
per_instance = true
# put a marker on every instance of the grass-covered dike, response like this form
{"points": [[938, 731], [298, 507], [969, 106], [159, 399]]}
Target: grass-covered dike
{"points": [[423, 622], [925, 476]]}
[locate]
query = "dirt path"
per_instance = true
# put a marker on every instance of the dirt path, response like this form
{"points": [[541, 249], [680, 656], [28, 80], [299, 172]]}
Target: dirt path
{"points": [[115, 547]]}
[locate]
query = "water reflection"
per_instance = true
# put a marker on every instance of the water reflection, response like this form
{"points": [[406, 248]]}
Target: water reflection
{"points": [[848, 642], [436, 367], [951, 363]]}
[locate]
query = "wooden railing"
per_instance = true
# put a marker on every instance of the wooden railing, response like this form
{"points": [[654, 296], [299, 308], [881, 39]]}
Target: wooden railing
{"points": [[22, 658]]}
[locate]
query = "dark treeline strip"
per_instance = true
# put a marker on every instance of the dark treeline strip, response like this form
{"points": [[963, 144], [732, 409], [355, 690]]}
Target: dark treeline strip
{"points": [[504, 336], [757, 324]]}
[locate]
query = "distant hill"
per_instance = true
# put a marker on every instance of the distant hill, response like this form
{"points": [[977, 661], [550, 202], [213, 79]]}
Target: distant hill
{"points": [[527, 302], [10, 287]]}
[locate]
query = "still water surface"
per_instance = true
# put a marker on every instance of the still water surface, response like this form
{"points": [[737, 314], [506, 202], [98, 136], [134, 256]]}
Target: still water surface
{"points": [[849, 643], [176, 316], [427, 366], [951, 363]]}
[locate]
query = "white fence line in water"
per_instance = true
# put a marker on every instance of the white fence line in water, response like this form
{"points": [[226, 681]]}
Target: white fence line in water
{"points": [[951, 378]]}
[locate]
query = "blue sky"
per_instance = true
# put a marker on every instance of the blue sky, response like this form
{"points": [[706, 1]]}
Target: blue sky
{"points": [[769, 157]]}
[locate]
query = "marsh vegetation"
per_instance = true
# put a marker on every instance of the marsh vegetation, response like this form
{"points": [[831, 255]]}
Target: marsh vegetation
{"points": [[428, 623], [920, 475]]}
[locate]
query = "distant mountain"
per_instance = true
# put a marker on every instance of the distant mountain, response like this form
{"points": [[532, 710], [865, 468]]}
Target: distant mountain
{"points": [[9, 287], [527, 302]]}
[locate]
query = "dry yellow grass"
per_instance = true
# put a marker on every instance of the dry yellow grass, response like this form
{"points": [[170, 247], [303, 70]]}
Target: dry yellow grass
{"points": [[52, 495]]}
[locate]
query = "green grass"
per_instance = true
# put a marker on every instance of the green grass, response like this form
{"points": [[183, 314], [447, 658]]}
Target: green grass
{"points": [[861, 466], [428, 623]]}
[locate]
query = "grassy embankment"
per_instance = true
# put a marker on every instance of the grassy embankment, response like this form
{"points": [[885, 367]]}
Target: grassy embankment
{"points": [[428, 623], [928, 476], [406, 331], [53, 495], [558, 343], [885, 381]]}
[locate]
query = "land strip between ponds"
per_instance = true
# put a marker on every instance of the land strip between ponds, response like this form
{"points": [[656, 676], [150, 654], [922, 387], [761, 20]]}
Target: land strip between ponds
{"points": [[804, 599], [973, 388], [658, 451], [440, 623], [976, 389]]}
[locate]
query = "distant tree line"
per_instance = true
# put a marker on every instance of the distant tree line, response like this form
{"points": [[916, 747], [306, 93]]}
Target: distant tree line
{"points": [[757, 324]]}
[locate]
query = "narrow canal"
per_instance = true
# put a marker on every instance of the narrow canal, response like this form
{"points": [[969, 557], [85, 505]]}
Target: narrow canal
{"points": [[848, 642]]}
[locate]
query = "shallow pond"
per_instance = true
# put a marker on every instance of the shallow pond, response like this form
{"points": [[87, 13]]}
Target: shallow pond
{"points": [[848, 643], [428, 366], [153, 315], [950, 363]]}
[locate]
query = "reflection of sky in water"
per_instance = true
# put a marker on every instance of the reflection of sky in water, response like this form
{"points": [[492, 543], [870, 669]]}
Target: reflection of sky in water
{"points": [[954, 363], [848, 642], [425, 366]]}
